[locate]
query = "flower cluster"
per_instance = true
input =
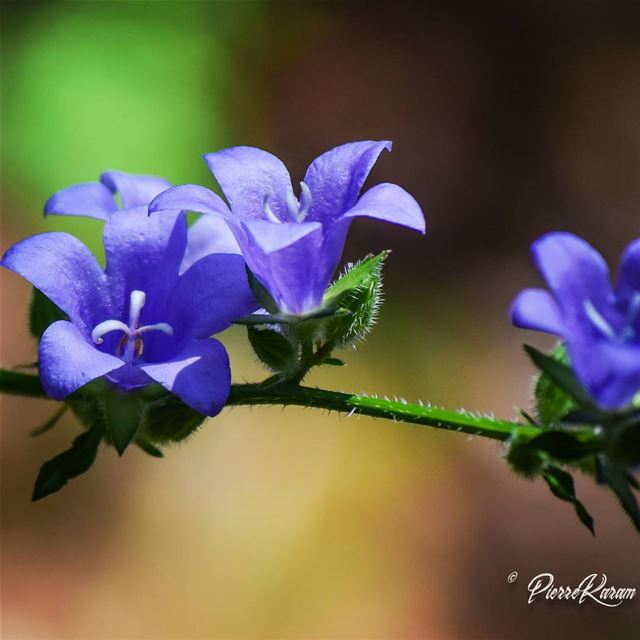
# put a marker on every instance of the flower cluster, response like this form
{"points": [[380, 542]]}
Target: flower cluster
{"points": [[149, 315], [129, 347]]}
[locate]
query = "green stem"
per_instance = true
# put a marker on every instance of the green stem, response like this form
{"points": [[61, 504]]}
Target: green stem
{"points": [[21, 384], [256, 394], [24, 384]]}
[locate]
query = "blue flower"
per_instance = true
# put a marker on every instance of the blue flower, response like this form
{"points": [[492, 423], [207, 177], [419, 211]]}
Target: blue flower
{"points": [[600, 324], [138, 320], [120, 191], [293, 244]]}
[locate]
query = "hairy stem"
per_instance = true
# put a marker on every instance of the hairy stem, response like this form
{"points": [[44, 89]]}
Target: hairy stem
{"points": [[24, 384]]}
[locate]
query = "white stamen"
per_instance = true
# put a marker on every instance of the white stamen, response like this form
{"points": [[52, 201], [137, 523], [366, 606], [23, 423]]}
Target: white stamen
{"points": [[106, 327], [131, 341], [305, 201], [269, 211], [160, 326], [293, 206], [136, 302], [598, 321]]}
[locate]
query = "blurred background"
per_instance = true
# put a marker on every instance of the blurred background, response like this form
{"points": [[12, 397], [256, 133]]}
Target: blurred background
{"points": [[509, 119]]}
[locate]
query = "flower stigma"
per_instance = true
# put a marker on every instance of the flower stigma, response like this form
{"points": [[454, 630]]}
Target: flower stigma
{"points": [[130, 345], [628, 331], [297, 209]]}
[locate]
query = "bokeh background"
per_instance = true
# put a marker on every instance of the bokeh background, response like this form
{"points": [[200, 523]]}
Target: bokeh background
{"points": [[509, 119]]}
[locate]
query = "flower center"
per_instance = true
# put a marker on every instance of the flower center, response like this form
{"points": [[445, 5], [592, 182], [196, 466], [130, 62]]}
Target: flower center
{"points": [[130, 346], [297, 209], [628, 331]]}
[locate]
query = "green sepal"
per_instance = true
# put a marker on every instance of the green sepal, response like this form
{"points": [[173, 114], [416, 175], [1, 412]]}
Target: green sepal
{"points": [[562, 486], [55, 473], [262, 295], [524, 459], [558, 391], [168, 419], [42, 313], [563, 446], [272, 348], [123, 412], [358, 292]]}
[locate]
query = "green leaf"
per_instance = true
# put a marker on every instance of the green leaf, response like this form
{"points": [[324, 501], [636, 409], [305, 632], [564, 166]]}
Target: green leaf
{"points": [[561, 484], [55, 473], [626, 446], [149, 449], [358, 292], [123, 412], [618, 480], [42, 313], [561, 375], [262, 295], [51, 422], [273, 349], [334, 362], [168, 419]]}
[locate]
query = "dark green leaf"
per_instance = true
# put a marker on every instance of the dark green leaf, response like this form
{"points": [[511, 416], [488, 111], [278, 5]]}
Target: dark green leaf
{"points": [[123, 412], [633, 481], [55, 473], [626, 446], [168, 420], [560, 374], [273, 349], [262, 295], [149, 449], [619, 483], [561, 484], [51, 422], [334, 362], [42, 313]]}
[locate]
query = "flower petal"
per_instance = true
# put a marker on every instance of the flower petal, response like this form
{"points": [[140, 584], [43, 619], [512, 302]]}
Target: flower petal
{"points": [[207, 235], [90, 199], [536, 309], [199, 375], [628, 281], [144, 252], [288, 259], [66, 272], [134, 190], [336, 177], [248, 176], [390, 203], [190, 197], [609, 370], [211, 294], [67, 361], [576, 274]]}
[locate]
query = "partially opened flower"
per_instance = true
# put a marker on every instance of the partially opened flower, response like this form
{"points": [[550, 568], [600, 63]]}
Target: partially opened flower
{"points": [[120, 191], [137, 321], [293, 244], [601, 324]]}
